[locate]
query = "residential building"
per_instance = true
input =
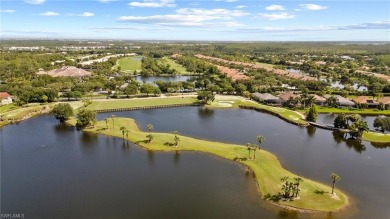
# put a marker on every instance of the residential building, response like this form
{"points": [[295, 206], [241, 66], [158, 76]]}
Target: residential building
{"points": [[266, 98], [5, 98]]}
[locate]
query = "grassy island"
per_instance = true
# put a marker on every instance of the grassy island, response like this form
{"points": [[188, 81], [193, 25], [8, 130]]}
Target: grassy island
{"points": [[314, 196]]}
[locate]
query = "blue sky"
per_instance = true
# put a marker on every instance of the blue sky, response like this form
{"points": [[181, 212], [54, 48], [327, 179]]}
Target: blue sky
{"points": [[232, 20]]}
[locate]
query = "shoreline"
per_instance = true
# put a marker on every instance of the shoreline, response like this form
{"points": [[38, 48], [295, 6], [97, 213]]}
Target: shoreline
{"points": [[261, 167]]}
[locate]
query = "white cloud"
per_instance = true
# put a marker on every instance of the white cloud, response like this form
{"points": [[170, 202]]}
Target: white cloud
{"points": [[153, 3], [35, 2], [86, 14], [49, 13], [313, 7], [379, 25], [190, 17], [275, 8], [241, 6], [276, 16], [7, 11]]}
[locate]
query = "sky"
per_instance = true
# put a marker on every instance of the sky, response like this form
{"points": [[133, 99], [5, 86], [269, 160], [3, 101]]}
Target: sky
{"points": [[204, 20]]}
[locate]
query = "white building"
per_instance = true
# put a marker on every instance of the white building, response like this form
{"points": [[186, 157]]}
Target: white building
{"points": [[5, 98]]}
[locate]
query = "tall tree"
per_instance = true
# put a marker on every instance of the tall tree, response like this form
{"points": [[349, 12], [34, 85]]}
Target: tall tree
{"points": [[150, 127], [176, 138], [85, 117], [335, 177], [113, 121], [62, 111], [312, 114], [123, 129]]}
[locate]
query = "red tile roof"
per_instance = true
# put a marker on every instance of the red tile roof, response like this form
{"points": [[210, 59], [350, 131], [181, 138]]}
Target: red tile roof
{"points": [[4, 95]]}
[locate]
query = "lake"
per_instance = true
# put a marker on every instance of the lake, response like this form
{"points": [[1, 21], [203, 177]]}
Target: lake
{"points": [[55, 171]]}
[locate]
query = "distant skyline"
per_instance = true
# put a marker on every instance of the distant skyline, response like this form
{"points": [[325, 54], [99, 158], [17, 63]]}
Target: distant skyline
{"points": [[207, 20]]}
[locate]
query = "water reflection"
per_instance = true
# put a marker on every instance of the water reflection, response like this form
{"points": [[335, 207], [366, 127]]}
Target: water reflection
{"points": [[205, 112], [311, 130], [176, 158], [380, 145], [150, 157], [288, 214], [63, 127], [357, 145], [125, 145]]}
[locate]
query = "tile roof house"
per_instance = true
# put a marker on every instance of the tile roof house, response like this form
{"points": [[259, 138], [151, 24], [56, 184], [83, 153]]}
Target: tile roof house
{"points": [[319, 100], [284, 97], [344, 101], [266, 97], [5, 98], [365, 100], [66, 71], [385, 100]]}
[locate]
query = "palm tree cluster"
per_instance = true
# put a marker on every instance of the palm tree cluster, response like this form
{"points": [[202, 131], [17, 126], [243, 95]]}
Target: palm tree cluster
{"points": [[124, 131], [254, 147], [290, 189]]}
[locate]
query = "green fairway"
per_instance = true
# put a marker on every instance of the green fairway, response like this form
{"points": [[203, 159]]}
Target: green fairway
{"points": [[128, 103], [267, 168], [353, 111], [179, 68], [376, 137], [286, 114], [129, 64], [8, 107]]}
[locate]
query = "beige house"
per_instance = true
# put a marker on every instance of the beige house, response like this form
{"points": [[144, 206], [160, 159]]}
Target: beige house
{"points": [[5, 98]]}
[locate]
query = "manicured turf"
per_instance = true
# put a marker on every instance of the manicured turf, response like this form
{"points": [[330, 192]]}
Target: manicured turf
{"points": [[179, 68], [376, 137], [8, 107], [266, 167], [128, 103], [286, 114], [128, 64], [353, 111]]}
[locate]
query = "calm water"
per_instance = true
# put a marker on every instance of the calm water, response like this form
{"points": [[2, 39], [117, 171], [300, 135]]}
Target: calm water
{"points": [[53, 171], [152, 79]]}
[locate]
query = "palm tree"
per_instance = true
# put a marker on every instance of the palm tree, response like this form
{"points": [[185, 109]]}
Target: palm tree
{"points": [[106, 120], [254, 148], [260, 139], [335, 177], [176, 138], [248, 147], [310, 100], [298, 180], [127, 133], [150, 127], [113, 122], [123, 129]]}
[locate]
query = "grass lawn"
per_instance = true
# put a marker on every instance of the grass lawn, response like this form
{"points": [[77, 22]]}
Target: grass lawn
{"points": [[8, 107], [179, 68], [128, 64], [21, 113], [376, 137], [267, 168], [127, 103], [321, 109], [265, 65], [287, 114]]}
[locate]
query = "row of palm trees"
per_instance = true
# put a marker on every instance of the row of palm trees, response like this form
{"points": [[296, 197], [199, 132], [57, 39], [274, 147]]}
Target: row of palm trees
{"points": [[290, 189], [253, 147]]}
